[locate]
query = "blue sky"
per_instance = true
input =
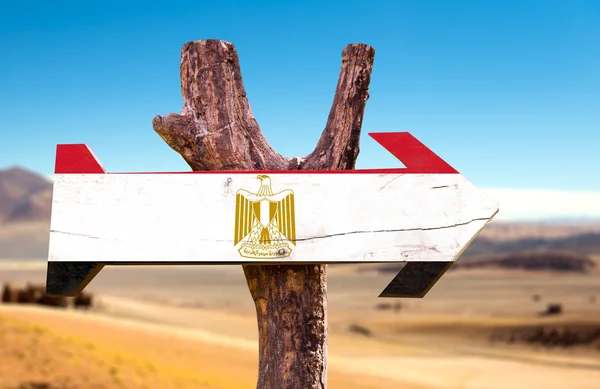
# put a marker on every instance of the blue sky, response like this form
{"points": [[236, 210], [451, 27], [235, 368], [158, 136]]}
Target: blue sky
{"points": [[508, 92]]}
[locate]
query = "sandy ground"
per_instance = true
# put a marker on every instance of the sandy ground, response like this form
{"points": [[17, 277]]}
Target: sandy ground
{"points": [[195, 328], [88, 350]]}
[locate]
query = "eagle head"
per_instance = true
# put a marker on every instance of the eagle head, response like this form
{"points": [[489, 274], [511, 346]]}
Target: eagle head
{"points": [[265, 185]]}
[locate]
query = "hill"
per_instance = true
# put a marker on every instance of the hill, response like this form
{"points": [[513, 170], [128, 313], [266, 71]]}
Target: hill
{"points": [[24, 196], [584, 243], [25, 206], [549, 261], [505, 231], [553, 260]]}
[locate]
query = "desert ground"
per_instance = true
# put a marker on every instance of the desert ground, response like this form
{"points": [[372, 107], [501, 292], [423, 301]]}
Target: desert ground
{"points": [[195, 327]]}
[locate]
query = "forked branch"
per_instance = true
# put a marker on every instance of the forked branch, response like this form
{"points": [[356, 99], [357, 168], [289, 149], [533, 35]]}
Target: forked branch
{"points": [[217, 131]]}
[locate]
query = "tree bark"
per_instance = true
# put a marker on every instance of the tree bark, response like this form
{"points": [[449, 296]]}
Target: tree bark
{"points": [[217, 131]]}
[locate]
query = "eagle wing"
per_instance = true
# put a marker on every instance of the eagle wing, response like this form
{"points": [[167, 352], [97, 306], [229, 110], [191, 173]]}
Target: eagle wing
{"points": [[286, 216], [244, 215]]}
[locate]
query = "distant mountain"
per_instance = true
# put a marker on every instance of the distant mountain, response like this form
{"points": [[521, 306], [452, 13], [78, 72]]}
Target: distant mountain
{"points": [[24, 196], [25, 206], [499, 230], [551, 260], [584, 243], [556, 261]]}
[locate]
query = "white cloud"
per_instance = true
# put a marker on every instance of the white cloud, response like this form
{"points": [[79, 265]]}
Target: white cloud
{"points": [[538, 204]]}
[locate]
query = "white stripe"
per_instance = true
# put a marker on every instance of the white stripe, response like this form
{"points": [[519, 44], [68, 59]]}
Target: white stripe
{"points": [[190, 217]]}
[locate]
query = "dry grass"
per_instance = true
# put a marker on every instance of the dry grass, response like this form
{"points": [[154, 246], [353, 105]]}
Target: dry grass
{"points": [[195, 327], [38, 354], [84, 350]]}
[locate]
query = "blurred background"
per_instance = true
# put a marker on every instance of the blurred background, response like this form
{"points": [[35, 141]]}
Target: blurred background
{"points": [[506, 92]]}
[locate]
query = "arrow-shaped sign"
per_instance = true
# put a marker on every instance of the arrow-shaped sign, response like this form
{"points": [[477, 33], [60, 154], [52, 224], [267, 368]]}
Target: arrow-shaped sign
{"points": [[425, 215]]}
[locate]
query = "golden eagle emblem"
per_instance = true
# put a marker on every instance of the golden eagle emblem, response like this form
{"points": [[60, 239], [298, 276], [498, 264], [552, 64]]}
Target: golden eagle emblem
{"points": [[264, 222]]}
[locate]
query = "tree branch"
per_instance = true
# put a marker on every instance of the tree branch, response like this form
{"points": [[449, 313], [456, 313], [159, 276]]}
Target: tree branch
{"points": [[217, 131], [338, 146]]}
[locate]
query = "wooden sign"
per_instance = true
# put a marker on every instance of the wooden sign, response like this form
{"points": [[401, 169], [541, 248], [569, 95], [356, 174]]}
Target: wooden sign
{"points": [[426, 213]]}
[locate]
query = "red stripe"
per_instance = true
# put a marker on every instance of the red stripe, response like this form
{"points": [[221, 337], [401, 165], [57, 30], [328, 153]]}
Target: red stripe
{"points": [[76, 159], [418, 159]]}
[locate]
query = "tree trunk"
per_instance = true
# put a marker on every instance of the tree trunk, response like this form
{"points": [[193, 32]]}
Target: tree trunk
{"points": [[217, 131]]}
